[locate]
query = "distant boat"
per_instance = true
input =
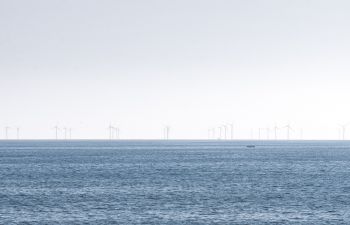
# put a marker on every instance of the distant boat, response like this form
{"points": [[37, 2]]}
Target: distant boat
{"points": [[250, 146]]}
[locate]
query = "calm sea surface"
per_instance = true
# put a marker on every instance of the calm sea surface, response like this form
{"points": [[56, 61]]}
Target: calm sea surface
{"points": [[174, 182]]}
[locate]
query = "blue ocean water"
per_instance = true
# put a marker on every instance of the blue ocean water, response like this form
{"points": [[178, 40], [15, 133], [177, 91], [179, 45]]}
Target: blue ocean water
{"points": [[174, 182]]}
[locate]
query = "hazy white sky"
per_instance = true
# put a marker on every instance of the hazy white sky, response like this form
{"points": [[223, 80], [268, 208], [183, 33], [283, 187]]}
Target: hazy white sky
{"points": [[192, 64]]}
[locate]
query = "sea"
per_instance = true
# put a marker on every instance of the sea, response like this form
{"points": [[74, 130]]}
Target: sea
{"points": [[174, 182]]}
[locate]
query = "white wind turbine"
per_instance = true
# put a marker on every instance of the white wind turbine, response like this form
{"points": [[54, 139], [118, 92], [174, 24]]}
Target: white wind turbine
{"points": [[225, 131], [289, 128], [275, 128], [214, 133], [65, 132], [167, 132], [116, 129], [17, 130], [232, 130], [268, 133], [220, 132], [259, 133], [6, 132], [56, 131], [110, 129], [113, 132], [343, 129]]}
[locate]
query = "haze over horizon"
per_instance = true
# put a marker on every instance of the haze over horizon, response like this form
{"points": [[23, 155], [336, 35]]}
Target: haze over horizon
{"points": [[189, 64]]}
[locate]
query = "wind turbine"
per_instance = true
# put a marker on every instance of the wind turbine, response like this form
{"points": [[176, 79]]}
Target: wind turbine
{"points": [[167, 131], [214, 133], [268, 133], [116, 129], [17, 129], [289, 128], [6, 132], [56, 131], [65, 132], [110, 128], [260, 133], [225, 131], [232, 127], [343, 129], [275, 128]]}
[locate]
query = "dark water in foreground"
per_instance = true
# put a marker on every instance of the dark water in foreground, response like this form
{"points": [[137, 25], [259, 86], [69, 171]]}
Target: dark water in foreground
{"points": [[176, 182]]}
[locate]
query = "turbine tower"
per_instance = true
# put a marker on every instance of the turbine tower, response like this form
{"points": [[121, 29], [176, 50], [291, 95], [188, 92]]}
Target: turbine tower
{"points": [[211, 133], [116, 129], [225, 131], [17, 129], [343, 129], [232, 127], [289, 128], [268, 133], [65, 132], [6, 132], [260, 133], [275, 128], [56, 131], [110, 129], [166, 132]]}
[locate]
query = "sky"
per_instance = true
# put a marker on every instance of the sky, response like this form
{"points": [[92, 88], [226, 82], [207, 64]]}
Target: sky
{"points": [[189, 64]]}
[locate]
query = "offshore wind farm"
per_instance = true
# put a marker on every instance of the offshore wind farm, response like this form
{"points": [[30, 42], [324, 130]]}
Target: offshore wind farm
{"points": [[174, 112], [226, 131]]}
